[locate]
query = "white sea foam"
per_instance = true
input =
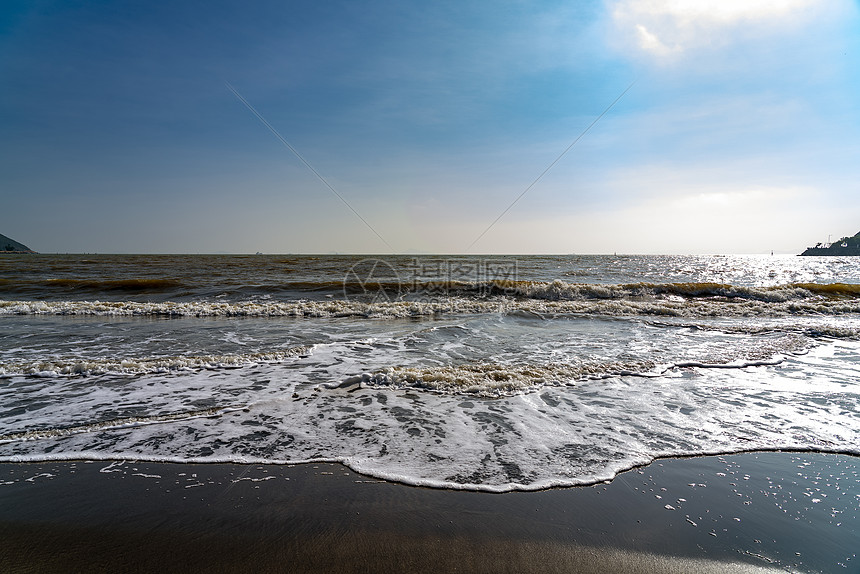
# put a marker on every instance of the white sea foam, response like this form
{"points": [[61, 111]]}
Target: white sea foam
{"points": [[490, 380], [768, 303], [501, 379], [493, 386], [110, 425], [140, 365], [562, 436]]}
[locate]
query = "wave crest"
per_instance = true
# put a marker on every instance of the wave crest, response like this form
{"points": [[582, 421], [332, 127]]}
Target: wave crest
{"points": [[560, 291], [552, 298]]}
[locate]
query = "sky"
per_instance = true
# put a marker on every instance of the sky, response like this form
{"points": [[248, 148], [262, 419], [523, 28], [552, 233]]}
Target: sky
{"points": [[419, 124]]}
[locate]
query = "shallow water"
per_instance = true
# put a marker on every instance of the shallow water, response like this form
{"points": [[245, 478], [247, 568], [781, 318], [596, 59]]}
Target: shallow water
{"points": [[497, 374]]}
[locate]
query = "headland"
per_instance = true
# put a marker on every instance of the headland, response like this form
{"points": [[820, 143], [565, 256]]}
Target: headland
{"points": [[9, 245], [847, 246]]}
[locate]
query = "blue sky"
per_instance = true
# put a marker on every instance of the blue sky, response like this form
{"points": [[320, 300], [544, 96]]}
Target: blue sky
{"points": [[741, 133]]}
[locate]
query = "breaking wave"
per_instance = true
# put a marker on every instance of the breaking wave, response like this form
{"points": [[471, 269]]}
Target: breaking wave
{"points": [[542, 298], [561, 291]]}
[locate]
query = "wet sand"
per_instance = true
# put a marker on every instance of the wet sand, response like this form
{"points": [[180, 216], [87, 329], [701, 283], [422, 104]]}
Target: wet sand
{"points": [[742, 513]]}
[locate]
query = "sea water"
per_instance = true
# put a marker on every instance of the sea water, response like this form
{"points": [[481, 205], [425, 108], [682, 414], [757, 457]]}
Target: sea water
{"points": [[486, 373]]}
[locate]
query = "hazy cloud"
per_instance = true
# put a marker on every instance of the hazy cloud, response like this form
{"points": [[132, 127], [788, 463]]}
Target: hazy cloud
{"points": [[666, 29]]}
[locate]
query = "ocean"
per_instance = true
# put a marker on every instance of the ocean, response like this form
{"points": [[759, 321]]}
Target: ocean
{"points": [[491, 373]]}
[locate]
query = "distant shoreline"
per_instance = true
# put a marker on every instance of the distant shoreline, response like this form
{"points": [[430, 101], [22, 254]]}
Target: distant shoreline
{"points": [[846, 246], [9, 245], [831, 252]]}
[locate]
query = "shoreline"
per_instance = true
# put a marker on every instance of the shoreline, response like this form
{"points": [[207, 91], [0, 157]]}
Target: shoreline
{"points": [[730, 513], [48, 459]]}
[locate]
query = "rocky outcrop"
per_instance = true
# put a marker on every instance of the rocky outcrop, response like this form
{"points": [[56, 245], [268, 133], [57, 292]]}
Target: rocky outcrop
{"points": [[847, 246], [8, 245]]}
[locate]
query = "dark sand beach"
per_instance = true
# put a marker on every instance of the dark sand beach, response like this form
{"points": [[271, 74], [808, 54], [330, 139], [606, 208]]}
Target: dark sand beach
{"points": [[739, 513]]}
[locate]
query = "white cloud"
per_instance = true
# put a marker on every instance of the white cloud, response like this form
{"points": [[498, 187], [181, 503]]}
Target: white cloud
{"points": [[722, 11], [665, 29], [651, 43]]}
